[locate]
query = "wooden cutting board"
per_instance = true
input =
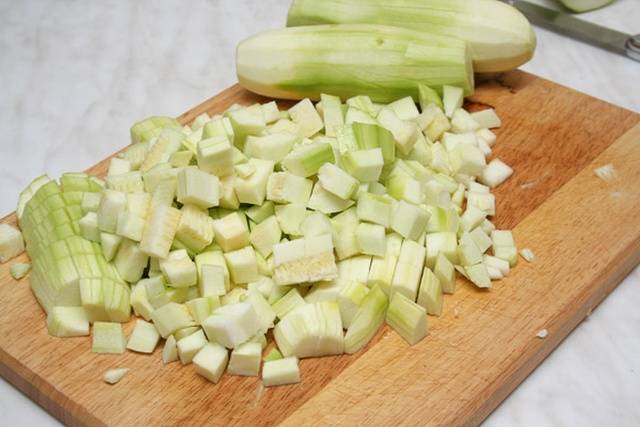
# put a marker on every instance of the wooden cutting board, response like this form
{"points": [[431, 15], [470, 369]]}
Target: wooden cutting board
{"points": [[585, 233]]}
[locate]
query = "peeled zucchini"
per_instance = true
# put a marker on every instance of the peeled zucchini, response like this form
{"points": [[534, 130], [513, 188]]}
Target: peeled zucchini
{"points": [[499, 36], [387, 63]]}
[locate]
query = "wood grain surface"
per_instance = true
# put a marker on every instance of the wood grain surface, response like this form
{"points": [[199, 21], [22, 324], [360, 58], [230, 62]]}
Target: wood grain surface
{"points": [[584, 231]]}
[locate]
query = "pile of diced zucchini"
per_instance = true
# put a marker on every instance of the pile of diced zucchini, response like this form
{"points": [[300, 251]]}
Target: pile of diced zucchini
{"points": [[312, 221]]}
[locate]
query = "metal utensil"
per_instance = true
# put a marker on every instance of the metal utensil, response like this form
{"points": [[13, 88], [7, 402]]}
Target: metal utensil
{"points": [[562, 23]]}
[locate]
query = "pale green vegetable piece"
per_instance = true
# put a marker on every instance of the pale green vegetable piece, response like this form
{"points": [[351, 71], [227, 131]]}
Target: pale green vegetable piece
{"points": [[364, 165], [259, 213], [305, 115], [245, 360], [232, 324], [274, 146], [171, 317], [144, 337], [403, 187], [168, 141], [231, 232], [468, 252], [374, 208], [467, 159], [382, 269], [495, 173], [179, 270], [108, 338], [324, 291], [289, 301], [215, 155], [195, 228], [462, 122], [253, 189], [445, 273], [139, 300], [311, 330], [483, 201], [406, 277], [316, 224], [337, 181], [198, 188], [113, 376], [525, 253], [234, 296], [285, 187], [481, 239], [211, 361], [130, 182], [351, 296], [499, 36], [190, 345], [407, 318], [155, 291], [19, 270], [290, 218], [280, 372], [355, 268], [212, 281], [408, 220], [265, 313], [404, 132], [306, 159], [452, 98], [430, 294], [91, 201], [371, 239], [304, 260], [185, 332], [170, 350], [290, 63], [443, 242], [151, 127], [274, 354], [478, 275], [89, 227], [487, 118], [332, 113], [67, 322], [326, 202], [366, 321], [427, 96], [130, 261], [199, 308], [245, 122], [112, 203], [242, 264], [159, 231]]}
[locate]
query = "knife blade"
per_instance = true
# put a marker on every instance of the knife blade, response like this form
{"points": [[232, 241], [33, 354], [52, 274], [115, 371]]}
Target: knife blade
{"points": [[565, 24]]}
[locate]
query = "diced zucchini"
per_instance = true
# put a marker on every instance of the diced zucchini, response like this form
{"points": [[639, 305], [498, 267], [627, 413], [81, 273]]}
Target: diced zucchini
{"points": [[108, 338], [144, 337], [232, 324], [367, 321], [407, 318], [245, 360], [211, 361]]}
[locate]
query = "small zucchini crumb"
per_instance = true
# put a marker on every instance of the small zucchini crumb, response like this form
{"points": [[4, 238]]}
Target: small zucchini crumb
{"points": [[112, 376], [19, 270], [527, 254], [542, 333], [606, 173]]}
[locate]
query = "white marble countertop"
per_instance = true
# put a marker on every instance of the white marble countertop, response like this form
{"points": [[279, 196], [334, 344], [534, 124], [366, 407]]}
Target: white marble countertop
{"points": [[76, 74]]}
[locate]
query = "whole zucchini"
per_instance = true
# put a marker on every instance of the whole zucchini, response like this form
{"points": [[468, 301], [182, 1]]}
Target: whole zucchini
{"points": [[386, 63], [499, 36]]}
